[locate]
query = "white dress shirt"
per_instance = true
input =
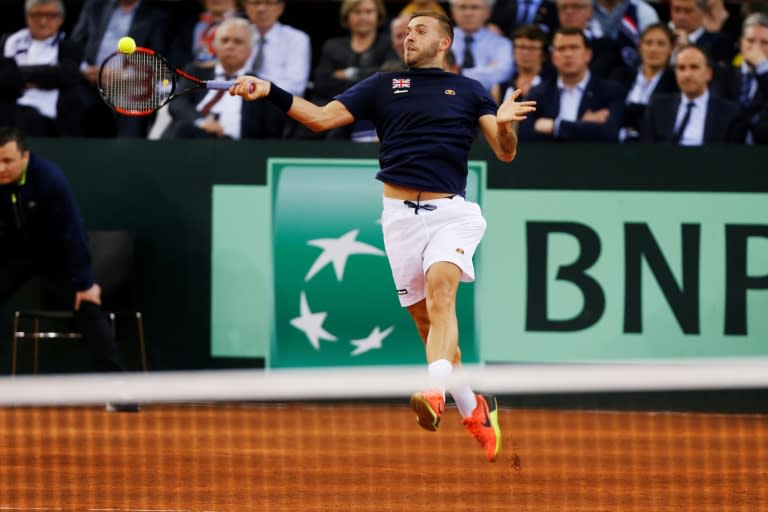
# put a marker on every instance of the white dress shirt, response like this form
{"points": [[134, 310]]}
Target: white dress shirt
{"points": [[694, 130], [493, 56], [32, 52], [287, 58], [570, 99], [229, 109]]}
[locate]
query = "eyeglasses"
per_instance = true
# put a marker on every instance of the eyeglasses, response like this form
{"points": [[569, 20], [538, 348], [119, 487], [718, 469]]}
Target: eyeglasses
{"points": [[44, 15], [528, 47], [573, 7], [464, 7], [263, 3]]}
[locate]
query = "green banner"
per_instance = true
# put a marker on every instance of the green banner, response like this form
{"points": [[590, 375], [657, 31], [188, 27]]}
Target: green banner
{"points": [[608, 275]]}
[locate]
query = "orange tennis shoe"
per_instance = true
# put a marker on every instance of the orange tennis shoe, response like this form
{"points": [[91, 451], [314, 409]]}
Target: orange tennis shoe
{"points": [[429, 407], [484, 425]]}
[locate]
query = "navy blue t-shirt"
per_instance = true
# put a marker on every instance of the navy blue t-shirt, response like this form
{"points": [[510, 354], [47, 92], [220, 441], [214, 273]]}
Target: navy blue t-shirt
{"points": [[426, 120]]}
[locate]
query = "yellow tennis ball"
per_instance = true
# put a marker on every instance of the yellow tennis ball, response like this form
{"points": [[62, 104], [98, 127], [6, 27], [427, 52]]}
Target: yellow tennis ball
{"points": [[166, 82], [126, 45]]}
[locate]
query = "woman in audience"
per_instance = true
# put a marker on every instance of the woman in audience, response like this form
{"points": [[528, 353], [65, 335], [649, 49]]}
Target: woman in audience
{"points": [[531, 62], [652, 76], [346, 60]]}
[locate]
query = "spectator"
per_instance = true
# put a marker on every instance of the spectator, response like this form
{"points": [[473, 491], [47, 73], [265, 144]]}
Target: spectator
{"points": [[577, 106], [193, 42], [217, 114], [653, 76], [695, 117], [281, 54], [759, 126], [42, 234], [687, 22], [747, 84], [482, 55], [421, 5], [100, 25], [606, 52], [398, 28], [47, 72], [346, 60], [530, 45], [507, 15], [624, 20]]}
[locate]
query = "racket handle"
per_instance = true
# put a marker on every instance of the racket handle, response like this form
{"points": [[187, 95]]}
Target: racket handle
{"points": [[219, 85]]}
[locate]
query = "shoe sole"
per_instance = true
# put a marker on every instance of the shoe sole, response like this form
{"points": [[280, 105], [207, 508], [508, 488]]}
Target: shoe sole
{"points": [[493, 413], [425, 415]]}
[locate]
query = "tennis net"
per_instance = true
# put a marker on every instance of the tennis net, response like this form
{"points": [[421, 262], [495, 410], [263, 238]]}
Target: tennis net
{"points": [[677, 436]]}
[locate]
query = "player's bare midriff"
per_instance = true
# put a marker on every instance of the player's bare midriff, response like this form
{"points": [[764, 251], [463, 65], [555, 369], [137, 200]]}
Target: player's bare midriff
{"points": [[412, 194]]}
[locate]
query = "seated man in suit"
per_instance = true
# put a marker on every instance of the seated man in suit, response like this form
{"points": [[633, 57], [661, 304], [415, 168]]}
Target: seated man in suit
{"points": [[747, 83], [217, 114], [577, 106], [695, 117], [687, 21], [100, 25], [509, 15], [606, 52], [481, 54], [47, 71]]}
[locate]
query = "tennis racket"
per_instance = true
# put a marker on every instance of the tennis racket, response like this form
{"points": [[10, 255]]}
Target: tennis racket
{"points": [[139, 83]]}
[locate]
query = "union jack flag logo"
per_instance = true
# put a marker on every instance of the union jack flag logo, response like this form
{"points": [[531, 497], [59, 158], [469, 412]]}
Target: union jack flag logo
{"points": [[401, 83]]}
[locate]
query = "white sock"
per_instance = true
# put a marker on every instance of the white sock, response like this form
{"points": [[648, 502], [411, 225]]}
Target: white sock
{"points": [[439, 371], [465, 399]]}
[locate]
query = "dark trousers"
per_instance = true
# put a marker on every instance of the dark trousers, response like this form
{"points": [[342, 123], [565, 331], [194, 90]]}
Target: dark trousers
{"points": [[60, 294]]}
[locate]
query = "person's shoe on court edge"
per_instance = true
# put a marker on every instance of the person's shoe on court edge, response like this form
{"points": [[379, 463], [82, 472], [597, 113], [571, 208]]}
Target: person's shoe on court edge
{"points": [[429, 407], [484, 425]]}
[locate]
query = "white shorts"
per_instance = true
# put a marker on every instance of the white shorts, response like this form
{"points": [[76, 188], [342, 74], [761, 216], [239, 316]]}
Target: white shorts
{"points": [[414, 242]]}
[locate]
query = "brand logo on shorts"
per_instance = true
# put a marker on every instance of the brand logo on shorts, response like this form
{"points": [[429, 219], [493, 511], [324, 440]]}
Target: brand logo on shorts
{"points": [[459, 250], [404, 291]]}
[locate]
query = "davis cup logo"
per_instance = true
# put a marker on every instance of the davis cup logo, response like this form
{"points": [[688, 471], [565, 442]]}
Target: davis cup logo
{"points": [[335, 303]]}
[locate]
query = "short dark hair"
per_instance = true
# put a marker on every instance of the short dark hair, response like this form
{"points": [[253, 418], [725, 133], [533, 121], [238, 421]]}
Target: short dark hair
{"points": [[533, 33], [701, 50], [572, 31], [10, 134], [445, 22], [663, 27]]}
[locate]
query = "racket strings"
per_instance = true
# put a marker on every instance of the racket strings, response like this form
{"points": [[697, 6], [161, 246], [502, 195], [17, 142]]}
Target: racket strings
{"points": [[136, 84]]}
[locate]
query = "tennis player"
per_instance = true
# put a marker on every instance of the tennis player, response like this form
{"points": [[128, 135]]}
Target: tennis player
{"points": [[426, 120]]}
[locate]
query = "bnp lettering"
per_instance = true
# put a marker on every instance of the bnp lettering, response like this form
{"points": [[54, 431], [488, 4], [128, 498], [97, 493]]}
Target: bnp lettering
{"points": [[640, 247]]}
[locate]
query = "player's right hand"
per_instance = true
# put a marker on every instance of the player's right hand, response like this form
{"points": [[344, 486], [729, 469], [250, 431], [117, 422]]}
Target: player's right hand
{"points": [[250, 88]]}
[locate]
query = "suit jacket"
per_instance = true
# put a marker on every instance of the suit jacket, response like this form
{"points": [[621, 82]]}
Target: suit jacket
{"points": [[64, 76], [504, 15], [634, 113], [598, 94], [148, 27], [259, 119], [722, 124]]}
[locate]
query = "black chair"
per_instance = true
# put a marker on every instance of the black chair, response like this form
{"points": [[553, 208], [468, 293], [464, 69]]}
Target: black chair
{"points": [[112, 255]]}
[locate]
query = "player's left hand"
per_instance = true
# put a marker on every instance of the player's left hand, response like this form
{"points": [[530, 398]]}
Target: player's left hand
{"points": [[92, 294], [512, 111]]}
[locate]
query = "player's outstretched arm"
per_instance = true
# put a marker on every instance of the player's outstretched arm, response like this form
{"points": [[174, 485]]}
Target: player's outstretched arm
{"points": [[501, 130], [317, 119]]}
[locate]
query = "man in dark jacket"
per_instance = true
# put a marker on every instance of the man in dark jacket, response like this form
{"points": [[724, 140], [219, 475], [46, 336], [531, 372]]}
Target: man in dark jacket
{"points": [[41, 233]]}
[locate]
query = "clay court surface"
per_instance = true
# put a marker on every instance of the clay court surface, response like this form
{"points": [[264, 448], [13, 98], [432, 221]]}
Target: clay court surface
{"points": [[351, 457]]}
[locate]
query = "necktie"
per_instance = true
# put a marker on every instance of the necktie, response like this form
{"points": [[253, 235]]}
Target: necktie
{"points": [[680, 129], [522, 11], [746, 88], [214, 100], [469, 59], [258, 61]]}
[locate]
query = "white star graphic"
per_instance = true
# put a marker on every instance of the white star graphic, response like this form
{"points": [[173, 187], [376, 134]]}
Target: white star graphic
{"points": [[337, 250], [373, 341], [311, 324]]}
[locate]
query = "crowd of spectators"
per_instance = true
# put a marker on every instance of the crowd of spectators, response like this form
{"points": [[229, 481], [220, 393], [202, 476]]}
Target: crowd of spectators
{"points": [[686, 72]]}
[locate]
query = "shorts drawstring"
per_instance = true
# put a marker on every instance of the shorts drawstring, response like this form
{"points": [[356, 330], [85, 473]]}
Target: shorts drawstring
{"points": [[417, 205]]}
